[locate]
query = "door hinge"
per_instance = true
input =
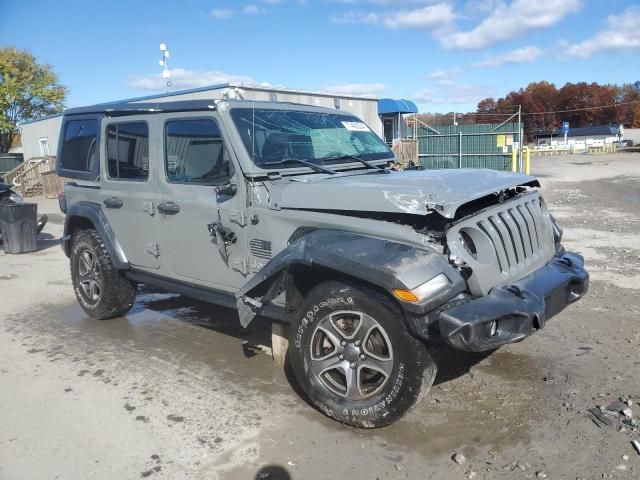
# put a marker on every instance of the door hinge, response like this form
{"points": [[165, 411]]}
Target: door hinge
{"points": [[153, 249], [239, 265], [238, 217], [149, 207]]}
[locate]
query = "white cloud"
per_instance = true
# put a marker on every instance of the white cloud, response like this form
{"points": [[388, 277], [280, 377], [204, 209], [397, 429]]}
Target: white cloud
{"points": [[221, 13], [430, 17], [421, 18], [360, 89], [622, 33], [445, 74], [182, 78], [252, 9], [400, 2], [386, 2], [519, 55], [480, 6], [273, 2], [353, 16], [453, 95], [510, 20]]}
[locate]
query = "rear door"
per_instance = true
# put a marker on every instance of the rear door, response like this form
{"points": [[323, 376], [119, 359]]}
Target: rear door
{"points": [[128, 186], [196, 161]]}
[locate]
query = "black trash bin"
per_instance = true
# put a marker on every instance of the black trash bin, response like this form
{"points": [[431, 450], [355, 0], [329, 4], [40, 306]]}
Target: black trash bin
{"points": [[18, 227]]}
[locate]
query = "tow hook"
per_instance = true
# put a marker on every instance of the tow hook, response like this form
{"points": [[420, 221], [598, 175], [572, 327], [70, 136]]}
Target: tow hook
{"points": [[567, 261], [516, 290]]}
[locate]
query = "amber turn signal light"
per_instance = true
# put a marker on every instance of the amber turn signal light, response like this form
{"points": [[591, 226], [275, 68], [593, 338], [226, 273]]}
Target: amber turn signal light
{"points": [[406, 295]]}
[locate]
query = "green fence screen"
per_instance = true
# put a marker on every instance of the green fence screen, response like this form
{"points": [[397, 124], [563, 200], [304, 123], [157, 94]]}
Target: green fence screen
{"points": [[467, 146]]}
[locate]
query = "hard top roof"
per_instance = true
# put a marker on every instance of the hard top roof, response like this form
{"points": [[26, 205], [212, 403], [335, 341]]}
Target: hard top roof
{"points": [[120, 108]]}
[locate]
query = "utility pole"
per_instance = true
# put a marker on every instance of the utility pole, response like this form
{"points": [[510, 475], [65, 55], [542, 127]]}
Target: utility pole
{"points": [[521, 135], [165, 64], [455, 119]]}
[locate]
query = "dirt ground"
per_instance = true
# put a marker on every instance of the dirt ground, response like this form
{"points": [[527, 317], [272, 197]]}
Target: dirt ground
{"points": [[178, 390]]}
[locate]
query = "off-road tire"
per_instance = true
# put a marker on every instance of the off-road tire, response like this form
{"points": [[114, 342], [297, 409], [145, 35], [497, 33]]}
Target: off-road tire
{"points": [[412, 373], [117, 294]]}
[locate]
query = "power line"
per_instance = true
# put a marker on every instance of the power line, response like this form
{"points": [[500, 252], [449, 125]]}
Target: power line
{"points": [[582, 109]]}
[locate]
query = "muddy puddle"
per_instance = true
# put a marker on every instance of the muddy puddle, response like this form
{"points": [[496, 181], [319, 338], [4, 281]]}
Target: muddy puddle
{"points": [[479, 402]]}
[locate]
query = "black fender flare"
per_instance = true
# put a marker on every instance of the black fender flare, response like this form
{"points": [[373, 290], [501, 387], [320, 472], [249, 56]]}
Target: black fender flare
{"points": [[384, 263], [93, 212]]}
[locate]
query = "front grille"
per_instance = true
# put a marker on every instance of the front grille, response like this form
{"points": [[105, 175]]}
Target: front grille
{"points": [[516, 234], [504, 243]]}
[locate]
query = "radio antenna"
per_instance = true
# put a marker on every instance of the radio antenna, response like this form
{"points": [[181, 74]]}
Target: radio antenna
{"points": [[164, 63]]}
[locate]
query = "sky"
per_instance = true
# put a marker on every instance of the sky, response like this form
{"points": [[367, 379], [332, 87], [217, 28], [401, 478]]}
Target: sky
{"points": [[446, 55]]}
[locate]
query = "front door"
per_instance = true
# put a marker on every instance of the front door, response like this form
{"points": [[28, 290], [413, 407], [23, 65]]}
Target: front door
{"points": [[388, 130], [202, 223], [128, 186]]}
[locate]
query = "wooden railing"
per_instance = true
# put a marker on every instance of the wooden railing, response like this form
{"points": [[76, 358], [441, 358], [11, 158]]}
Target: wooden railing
{"points": [[406, 151], [28, 179], [52, 185], [11, 174]]}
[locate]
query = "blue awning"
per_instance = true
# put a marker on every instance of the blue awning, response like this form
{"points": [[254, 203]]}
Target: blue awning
{"points": [[389, 105]]}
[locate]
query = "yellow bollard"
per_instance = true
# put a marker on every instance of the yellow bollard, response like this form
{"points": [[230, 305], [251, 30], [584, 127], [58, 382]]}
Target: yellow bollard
{"points": [[527, 161], [514, 160]]}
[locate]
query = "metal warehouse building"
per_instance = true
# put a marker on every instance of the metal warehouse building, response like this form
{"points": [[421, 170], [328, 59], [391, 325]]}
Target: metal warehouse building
{"points": [[40, 137]]}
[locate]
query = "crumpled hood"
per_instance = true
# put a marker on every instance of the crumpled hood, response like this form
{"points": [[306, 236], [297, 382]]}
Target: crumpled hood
{"points": [[413, 191]]}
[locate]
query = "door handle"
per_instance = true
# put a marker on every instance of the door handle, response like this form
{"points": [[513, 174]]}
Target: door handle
{"points": [[168, 208], [113, 202]]}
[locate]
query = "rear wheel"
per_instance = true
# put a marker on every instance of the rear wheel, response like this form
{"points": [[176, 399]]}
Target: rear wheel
{"points": [[100, 288], [354, 358]]}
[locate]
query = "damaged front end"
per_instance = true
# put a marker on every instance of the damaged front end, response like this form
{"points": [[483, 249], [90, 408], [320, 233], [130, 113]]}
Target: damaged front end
{"points": [[514, 311], [477, 265]]}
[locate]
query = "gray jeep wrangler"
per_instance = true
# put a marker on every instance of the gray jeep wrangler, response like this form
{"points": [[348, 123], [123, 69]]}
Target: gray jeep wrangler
{"points": [[289, 212]]}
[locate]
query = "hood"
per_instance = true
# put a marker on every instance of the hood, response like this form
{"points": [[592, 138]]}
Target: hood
{"points": [[414, 191]]}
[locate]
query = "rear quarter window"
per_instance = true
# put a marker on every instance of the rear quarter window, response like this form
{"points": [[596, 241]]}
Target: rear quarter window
{"points": [[79, 146]]}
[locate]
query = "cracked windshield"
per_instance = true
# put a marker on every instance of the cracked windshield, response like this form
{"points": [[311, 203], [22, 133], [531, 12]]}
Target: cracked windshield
{"points": [[275, 137]]}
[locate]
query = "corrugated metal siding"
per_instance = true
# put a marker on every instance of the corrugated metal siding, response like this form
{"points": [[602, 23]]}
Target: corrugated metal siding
{"points": [[479, 146], [364, 108]]}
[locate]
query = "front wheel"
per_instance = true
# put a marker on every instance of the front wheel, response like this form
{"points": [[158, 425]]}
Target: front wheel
{"points": [[354, 358], [100, 288]]}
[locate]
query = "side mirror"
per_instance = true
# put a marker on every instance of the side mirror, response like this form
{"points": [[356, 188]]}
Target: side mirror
{"points": [[229, 189]]}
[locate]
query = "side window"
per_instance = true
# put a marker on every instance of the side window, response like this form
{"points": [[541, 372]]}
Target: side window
{"points": [[128, 150], [79, 145], [195, 152]]}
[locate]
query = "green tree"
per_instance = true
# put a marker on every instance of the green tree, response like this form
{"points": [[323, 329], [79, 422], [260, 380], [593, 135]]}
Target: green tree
{"points": [[28, 90]]}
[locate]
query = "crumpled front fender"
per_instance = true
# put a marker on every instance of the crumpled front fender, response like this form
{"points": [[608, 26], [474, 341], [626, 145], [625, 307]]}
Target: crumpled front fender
{"points": [[378, 261]]}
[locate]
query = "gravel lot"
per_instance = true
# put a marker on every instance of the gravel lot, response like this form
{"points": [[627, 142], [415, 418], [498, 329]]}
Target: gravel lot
{"points": [[177, 390]]}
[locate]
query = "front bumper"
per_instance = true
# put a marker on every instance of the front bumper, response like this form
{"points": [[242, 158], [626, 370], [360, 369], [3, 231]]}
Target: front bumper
{"points": [[512, 312]]}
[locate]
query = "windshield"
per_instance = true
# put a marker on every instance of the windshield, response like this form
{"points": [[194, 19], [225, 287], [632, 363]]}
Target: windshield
{"points": [[271, 136]]}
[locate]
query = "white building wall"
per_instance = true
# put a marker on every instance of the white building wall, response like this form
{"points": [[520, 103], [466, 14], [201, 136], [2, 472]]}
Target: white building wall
{"points": [[364, 108], [31, 133], [632, 134]]}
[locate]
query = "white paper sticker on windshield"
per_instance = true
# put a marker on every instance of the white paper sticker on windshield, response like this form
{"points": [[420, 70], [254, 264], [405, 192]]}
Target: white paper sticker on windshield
{"points": [[355, 126]]}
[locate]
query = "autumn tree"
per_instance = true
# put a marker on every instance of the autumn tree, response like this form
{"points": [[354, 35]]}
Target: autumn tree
{"points": [[28, 90], [582, 104]]}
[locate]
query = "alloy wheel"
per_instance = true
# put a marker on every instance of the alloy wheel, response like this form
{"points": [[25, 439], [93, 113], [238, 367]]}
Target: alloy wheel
{"points": [[90, 276], [351, 354]]}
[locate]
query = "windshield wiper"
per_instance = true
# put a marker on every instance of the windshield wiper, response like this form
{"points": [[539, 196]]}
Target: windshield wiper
{"points": [[361, 160], [317, 168]]}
